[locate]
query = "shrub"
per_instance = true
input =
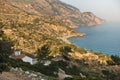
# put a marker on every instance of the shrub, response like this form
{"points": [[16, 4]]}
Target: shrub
{"points": [[65, 49], [116, 59], [3, 67], [1, 25], [43, 52], [47, 70], [5, 47]]}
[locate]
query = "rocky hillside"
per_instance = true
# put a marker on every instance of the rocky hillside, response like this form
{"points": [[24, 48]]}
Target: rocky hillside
{"points": [[40, 27], [64, 11], [28, 22], [25, 28]]}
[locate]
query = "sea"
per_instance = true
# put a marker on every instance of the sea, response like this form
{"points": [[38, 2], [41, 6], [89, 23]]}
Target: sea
{"points": [[104, 37]]}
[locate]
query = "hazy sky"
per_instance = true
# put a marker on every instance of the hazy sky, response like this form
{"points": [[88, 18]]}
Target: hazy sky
{"points": [[106, 9]]}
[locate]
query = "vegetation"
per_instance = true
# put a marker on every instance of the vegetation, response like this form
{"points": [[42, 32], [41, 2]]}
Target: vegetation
{"points": [[5, 47], [48, 48], [1, 25], [116, 59], [5, 51], [65, 50], [3, 67], [39, 35], [43, 53]]}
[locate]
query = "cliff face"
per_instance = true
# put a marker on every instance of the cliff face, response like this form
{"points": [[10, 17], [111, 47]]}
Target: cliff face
{"points": [[90, 19], [64, 11]]}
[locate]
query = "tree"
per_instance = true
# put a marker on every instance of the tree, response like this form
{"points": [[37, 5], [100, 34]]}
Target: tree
{"points": [[1, 33], [1, 25], [3, 64], [116, 59], [3, 67], [5, 47], [43, 52], [5, 50], [65, 50], [106, 73]]}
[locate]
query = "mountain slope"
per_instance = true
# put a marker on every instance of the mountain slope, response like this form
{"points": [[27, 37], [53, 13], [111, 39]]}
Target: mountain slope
{"points": [[28, 22], [26, 29], [39, 27], [66, 12]]}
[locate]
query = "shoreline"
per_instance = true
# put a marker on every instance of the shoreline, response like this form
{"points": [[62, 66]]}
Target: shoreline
{"points": [[65, 38]]}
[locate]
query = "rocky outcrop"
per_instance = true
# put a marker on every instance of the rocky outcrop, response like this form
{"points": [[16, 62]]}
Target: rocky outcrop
{"points": [[90, 19], [28, 75], [62, 74]]}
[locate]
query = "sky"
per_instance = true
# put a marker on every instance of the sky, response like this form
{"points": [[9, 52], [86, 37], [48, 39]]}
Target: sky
{"points": [[108, 10]]}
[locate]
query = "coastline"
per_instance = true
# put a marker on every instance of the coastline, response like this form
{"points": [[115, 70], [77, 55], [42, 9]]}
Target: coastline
{"points": [[78, 34], [65, 38]]}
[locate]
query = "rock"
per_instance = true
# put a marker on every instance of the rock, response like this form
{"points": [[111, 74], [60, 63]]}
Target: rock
{"points": [[62, 75], [20, 69], [27, 72], [34, 79], [33, 75], [83, 76], [58, 58]]}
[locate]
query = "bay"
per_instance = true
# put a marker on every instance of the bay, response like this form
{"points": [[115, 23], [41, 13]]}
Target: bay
{"points": [[105, 38]]}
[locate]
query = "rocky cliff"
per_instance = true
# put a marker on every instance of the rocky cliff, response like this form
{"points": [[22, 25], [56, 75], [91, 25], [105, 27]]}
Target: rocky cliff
{"points": [[90, 19]]}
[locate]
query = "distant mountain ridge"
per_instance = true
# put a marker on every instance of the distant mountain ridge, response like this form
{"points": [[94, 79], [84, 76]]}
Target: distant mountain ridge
{"points": [[66, 12]]}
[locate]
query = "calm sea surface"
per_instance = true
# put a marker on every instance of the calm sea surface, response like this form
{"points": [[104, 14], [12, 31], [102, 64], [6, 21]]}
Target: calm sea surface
{"points": [[105, 38]]}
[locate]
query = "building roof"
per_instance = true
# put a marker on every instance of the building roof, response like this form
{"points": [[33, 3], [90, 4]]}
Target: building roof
{"points": [[17, 50], [18, 56]]}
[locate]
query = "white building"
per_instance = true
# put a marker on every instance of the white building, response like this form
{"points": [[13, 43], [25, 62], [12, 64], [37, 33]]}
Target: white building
{"points": [[17, 52], [17, 55], [29, 59]]}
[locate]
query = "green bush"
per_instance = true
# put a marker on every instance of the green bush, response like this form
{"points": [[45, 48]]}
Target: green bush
{"points": [[43, 52], [116, 59], [4, 67], [1, 25], [47, 70], [65, 50], [5, 47]]}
